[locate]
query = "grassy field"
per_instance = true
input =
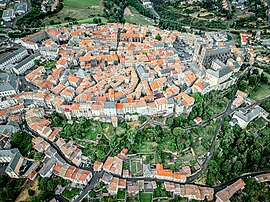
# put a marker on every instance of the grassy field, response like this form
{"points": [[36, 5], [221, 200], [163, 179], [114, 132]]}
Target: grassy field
{"points": [[137, 18], [260, 92], [145, 197], [136, 168], [81, 3], [82, 10]]}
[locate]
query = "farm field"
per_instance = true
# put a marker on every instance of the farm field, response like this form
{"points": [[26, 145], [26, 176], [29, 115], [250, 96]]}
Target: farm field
{"points": [[75, 10]]}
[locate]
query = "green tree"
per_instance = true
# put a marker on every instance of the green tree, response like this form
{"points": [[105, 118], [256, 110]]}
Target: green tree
{"points": [[100, 154], [51, 185], [131, 134], [264, 79], [253, 79], [170, 121], [22, 141], [158, 37], [31, 192], [37, 156], [243, 85], [142, 119], [237, 166]]}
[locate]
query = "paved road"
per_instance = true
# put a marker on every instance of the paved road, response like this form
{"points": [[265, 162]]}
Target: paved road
{"points": [[91, 185], [94, 180], [53, 145], [243, 177], [210, 152], [98, 175]]}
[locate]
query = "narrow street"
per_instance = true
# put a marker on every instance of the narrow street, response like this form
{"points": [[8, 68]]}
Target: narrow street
{"points": [[53, 145], [211, 150], [94, 180]]}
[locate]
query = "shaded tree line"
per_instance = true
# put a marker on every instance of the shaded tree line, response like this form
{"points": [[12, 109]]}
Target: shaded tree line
{"points": [[9, 188], [237, 152]]}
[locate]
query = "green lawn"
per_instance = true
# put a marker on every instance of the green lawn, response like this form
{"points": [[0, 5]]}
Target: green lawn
{"points": [[90, 20], [260, 92], [145, 197], [136, 168], [81, 3], [109, 199], [71, 193], [137, 18], [121, 194], [133, 10]]}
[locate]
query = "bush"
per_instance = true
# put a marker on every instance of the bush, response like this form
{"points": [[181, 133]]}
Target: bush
{"points": [[31, 192]]}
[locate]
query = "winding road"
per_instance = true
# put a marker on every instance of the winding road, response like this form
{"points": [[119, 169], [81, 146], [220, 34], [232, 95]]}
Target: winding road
{"points": [[210, 152]]}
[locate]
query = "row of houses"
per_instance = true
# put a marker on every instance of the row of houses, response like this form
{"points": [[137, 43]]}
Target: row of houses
{"points": [[35, 120], [54, 164], [18, 61]]}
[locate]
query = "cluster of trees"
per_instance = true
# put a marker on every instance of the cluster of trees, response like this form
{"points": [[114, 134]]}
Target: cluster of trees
{"points": [[35, 16], [252, 80], [114, 10], [237, 152], [206, 106], [85, 130], [23, 141], [155, 139], [173, 17], [97, 20], [9, 188], [57, 120], [140, 8], [259, 8], [266, 105], [47, 186], [253, 191]]}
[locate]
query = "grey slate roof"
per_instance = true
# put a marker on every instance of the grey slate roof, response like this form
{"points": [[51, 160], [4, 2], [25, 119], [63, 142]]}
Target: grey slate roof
{"points": [[166, 71], [47, 166], [221, 64], [26, 60], [218, 51], [109, 105], [221, 72], [141, 69], [8, 13], [11, 54], [14, 161], [8, 82], [7, 128], [21, 7], [8, 153], [248, 115], [170, 101]]}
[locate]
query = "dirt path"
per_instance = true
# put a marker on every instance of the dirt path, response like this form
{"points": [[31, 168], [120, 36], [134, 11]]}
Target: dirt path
{"points": [[23, 196], [127, 12]]}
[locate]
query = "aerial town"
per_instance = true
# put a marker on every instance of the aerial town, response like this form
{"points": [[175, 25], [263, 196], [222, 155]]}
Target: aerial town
{"points": [[128, 112]]}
